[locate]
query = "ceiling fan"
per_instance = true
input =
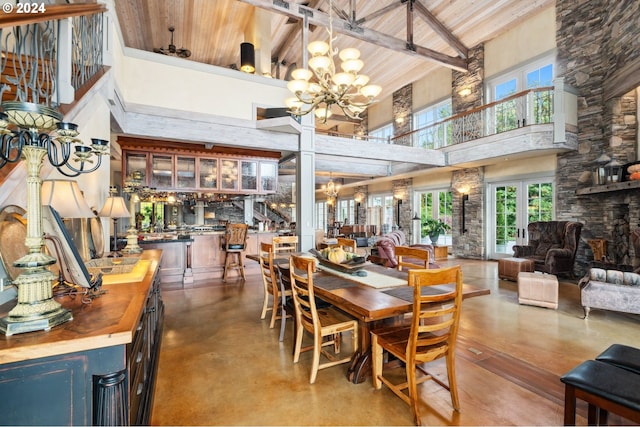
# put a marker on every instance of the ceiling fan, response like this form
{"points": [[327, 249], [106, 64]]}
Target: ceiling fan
{"points": [[171, 50]]}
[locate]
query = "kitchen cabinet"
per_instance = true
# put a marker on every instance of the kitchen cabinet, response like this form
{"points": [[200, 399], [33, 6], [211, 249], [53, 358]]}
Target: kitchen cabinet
{"points": [[182, 172]]}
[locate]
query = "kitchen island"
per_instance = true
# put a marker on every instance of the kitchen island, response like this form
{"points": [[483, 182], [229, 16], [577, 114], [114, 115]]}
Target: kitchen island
{"points": [[97, 369], [198, 257]]}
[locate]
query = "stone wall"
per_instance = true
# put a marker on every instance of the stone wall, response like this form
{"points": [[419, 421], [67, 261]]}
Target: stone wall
{"points": [[472, 80], [593, 40], [403, 113], [472, 243]]}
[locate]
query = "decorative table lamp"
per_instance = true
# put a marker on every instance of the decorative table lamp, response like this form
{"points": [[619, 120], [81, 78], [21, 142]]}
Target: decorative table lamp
{"points": [[114, 208], [34, 132]]}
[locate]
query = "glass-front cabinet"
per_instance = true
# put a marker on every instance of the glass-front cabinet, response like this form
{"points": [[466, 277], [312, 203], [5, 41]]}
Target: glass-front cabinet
{"points": [[229, 175], [249, 175], [136, 168], [161, 171], [181, 172], [208, 173], [185, 172], [268, 176]]}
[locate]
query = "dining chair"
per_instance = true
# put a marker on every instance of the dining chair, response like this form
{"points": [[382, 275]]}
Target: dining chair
{"points": [[431, 335], [411, 257], [347, 244], [274, 291], [320, 323], [235, 243], [284, 244]]}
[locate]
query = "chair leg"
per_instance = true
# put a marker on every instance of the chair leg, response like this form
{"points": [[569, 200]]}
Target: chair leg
{"points": [[317, 348], [298, 345], [413, 392], [376, 359], [241, 265], [265, 304], [283, 320], [226, 267], [274, 313], [451, 373]]}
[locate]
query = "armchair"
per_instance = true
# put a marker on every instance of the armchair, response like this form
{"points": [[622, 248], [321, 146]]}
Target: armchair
{"points": [[552, 246]]}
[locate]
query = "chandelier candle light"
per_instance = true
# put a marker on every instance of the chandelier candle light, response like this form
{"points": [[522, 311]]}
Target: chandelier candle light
{"points": [[331, 189], [321, 87], [35, 132]]}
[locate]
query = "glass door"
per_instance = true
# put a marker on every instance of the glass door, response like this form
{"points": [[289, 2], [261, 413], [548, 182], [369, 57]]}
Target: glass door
{"points": [[513, 206]]}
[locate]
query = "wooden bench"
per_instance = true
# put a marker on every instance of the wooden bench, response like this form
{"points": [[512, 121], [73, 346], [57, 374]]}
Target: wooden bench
{"points": [[606, 388]]}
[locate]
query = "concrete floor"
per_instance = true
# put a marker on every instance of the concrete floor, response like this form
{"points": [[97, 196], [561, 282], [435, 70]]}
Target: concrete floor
{"points": [[221, 365]]}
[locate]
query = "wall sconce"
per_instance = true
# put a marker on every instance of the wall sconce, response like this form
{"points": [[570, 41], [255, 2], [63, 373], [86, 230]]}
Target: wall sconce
{"points": [[465, 198], [247, 58], [465, 92]]}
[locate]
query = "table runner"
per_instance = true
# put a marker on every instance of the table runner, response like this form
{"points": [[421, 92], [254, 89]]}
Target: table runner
{"points": [[372, 279]]}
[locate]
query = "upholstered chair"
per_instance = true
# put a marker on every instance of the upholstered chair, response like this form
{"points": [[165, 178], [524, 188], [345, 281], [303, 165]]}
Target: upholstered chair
{"points": [[552, 246]]}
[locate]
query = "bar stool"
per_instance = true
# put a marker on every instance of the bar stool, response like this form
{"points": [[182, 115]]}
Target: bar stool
{"points": [[235, 243]]}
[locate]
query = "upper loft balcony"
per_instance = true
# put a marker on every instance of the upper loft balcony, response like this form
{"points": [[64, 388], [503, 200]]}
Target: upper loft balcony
{"points": [[526, 124]]}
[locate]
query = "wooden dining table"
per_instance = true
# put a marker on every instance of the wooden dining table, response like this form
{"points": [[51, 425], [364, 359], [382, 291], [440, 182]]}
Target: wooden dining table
{"points": [[371, 306]]}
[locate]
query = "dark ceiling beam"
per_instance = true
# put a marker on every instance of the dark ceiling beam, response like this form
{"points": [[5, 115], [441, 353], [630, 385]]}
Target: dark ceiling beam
{"points": [[361, 33], [440, 29]]}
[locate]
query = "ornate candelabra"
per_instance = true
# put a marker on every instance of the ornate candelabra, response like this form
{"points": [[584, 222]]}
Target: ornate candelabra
{"points": [[132, 187], [31, 132]]}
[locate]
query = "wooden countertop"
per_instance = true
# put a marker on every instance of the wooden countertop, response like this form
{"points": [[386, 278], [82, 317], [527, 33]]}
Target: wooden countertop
{"points": [[108, 320]]}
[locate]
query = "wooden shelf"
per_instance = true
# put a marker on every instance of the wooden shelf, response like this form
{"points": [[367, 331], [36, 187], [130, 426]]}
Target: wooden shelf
{"points": [[606, 188]]}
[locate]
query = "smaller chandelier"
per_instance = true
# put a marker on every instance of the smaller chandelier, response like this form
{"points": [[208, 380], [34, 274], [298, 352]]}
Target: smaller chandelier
{"points": [[331, 189], [321, 87]]}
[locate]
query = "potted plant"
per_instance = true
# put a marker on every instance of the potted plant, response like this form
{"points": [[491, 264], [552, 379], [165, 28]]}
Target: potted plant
{"points": [[433, 227]]}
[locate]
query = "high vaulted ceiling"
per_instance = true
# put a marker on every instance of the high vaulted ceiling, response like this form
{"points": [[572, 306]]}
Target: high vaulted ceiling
{"points": [[400, 40]]}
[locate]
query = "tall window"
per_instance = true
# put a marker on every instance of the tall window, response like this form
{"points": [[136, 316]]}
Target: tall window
{"points": [[510, 114], [321, 216], [382, 134], [345, 211], [380, 213], [436, 204], [428, 136]]}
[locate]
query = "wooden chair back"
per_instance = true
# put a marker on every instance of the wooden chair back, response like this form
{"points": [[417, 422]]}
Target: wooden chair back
{"points": [[301, 271], [347, 244], [235, 237], [434, 324], [411, 257], [269, 277], [284, 244]]}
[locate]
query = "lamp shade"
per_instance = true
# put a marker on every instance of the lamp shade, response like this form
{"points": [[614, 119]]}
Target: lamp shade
{"points": [[247, 58], [114, 207], [65, 197]]}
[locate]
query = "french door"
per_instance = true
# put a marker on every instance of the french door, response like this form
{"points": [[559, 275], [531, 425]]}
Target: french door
{"points": [[513, 205]]}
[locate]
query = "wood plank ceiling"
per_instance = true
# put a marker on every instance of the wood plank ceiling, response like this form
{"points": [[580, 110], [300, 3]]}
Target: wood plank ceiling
{"points": [[212, 30]]}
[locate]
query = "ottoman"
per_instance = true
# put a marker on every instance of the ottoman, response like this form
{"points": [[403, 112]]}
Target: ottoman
{"points": [[508, 268], [538, 289]]}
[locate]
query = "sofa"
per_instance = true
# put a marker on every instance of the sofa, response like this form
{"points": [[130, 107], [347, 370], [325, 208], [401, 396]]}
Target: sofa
{"points": [[383, 252], [610, 290], [552, 246]]}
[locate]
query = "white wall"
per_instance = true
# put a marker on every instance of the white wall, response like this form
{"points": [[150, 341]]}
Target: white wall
{"points": [[518, 45], [433, 88], [147, 78]]}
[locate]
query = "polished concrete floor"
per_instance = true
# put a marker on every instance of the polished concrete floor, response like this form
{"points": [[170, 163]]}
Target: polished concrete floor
{"points": [[221, 365]]}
